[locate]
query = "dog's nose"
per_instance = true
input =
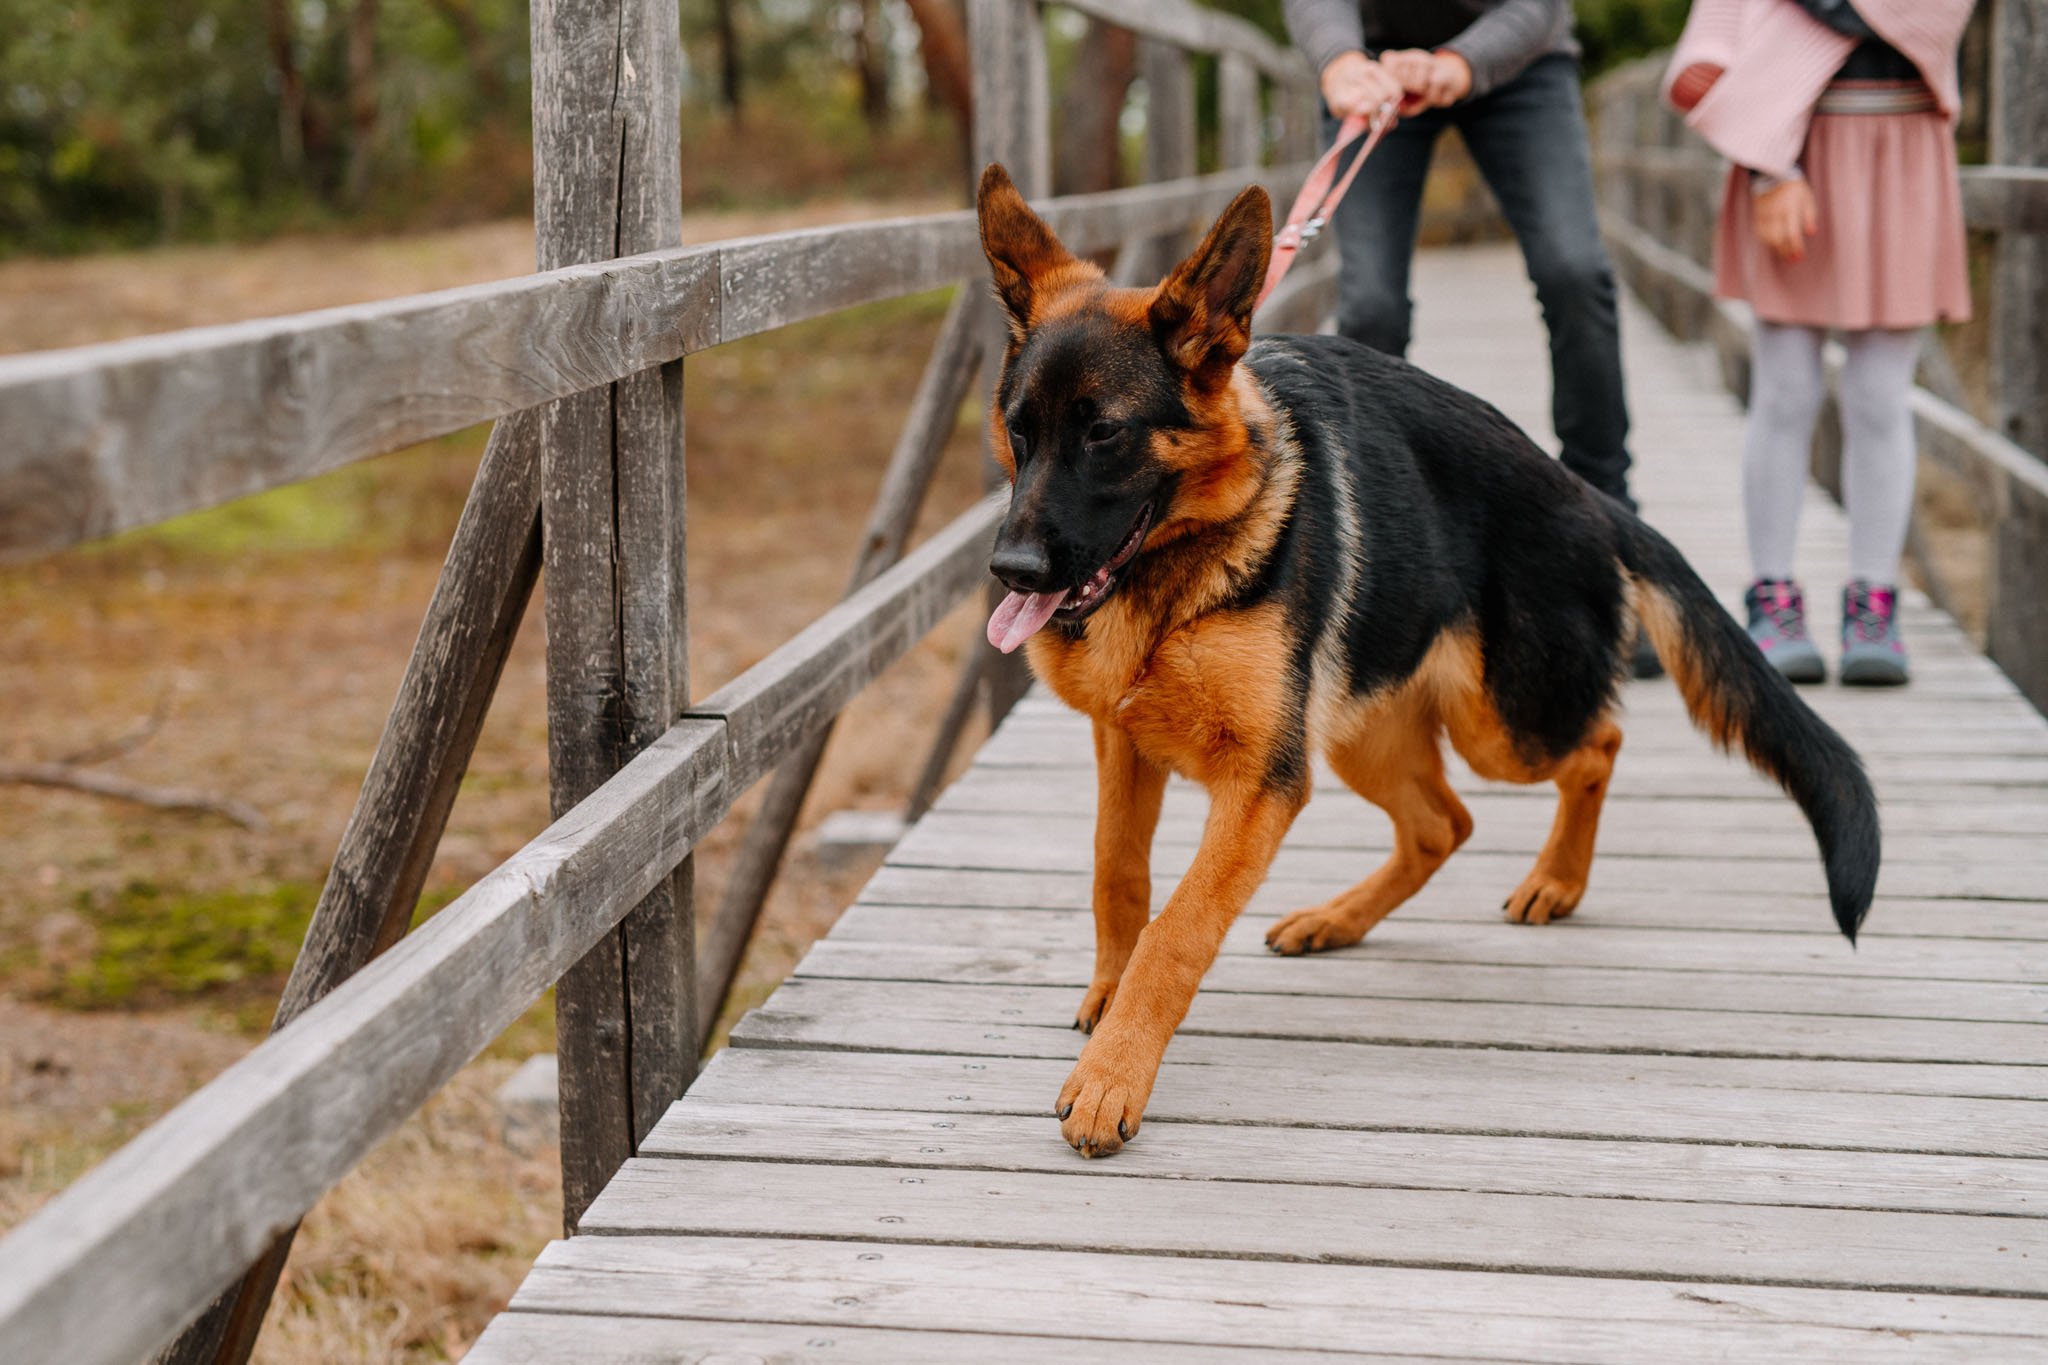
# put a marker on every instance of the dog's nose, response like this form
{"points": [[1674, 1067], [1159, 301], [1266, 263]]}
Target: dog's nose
{"points": [[1024, 567]]}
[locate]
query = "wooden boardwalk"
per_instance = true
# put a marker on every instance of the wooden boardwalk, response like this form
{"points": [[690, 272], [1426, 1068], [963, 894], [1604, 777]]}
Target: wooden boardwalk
{"points": [[1688, 1123]]}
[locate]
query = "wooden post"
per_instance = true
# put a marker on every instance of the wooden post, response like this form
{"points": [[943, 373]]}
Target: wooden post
{"points": [[2019, 280], [1169, 154], [1240, 123], [607, 182], [1012, 124]]}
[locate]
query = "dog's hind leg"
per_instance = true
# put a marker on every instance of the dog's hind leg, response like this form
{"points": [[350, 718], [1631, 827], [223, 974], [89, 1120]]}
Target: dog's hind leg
{"points": [[1553, 887], [1400, 769], [1128, 789]]}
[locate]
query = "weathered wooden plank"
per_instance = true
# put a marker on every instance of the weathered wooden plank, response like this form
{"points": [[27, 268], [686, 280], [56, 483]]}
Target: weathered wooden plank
{"points": [[2018, 128], [1451, 1229], [103, 438], [1757, 909], [1262, 1304], [169, 1219], [1498, 873], [1652, 833], [769, 709], [1719, 1110], [1683, 774], [1036, 1021], [607, 174], [1584, 1168], [1359, 972], [2006, 198], [108, 437], [1478, 1066], [1200, 29], [1240, 123], [1333, 810], [1404, 939], [549, 1338]]}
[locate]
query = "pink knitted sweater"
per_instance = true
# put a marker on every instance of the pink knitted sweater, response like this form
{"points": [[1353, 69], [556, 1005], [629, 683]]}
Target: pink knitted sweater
{"points": [[1774, 60]]}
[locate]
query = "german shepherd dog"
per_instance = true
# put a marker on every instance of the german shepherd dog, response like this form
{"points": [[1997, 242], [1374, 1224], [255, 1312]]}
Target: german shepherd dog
{"points": [[1232, 553]]}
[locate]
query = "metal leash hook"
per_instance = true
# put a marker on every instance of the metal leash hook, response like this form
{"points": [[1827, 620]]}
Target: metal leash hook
{"points": [[1318, 199]]}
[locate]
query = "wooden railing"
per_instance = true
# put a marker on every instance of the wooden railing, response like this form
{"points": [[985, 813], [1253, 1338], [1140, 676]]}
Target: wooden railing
{"points": [[180, 1236], [1660, 190]]}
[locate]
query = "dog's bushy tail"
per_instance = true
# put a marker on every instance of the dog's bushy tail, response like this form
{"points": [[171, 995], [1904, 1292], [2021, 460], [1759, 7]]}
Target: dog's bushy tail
{"points": [[1735, 695]]}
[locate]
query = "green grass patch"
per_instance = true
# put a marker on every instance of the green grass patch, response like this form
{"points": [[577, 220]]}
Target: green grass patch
{"points": [[156, 943]]}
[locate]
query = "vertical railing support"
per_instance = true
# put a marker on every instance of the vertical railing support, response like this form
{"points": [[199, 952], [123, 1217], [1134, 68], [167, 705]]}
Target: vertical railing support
{"points": [[1240, 123], [607, 182], [2019, 272]]}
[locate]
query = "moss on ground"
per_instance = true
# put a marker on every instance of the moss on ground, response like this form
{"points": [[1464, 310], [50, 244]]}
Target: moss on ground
{"points": [[156, 942]]}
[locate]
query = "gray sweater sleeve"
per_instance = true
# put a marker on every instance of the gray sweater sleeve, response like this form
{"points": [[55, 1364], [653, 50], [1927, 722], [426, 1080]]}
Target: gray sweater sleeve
{"points": [[1504, 40], [1324, 29]]}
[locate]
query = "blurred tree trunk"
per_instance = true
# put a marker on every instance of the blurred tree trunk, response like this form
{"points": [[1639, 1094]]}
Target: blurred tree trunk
{"points": [[728, 57], [942, 46], [362, 97], [292, 111], [871, 59], [1088, 147]]}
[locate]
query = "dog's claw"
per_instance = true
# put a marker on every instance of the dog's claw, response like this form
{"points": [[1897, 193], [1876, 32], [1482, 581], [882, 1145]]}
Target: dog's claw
{"points": [[1063, 1111], [1123, 1130]]}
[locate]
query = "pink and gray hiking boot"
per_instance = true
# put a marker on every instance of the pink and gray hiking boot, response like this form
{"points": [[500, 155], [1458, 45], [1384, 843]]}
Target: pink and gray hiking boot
{"points": [[1873, 655], [1777, 622]]}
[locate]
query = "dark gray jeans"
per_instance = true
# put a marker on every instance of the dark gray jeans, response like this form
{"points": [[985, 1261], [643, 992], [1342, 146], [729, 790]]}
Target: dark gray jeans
{"points": [[1529, 139]]}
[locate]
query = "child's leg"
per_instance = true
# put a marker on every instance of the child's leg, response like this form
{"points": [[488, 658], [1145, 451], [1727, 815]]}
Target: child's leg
{"points": [[1878, 456], [1785, 389]]}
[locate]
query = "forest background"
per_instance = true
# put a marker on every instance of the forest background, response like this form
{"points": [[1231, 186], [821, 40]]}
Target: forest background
{"points": [[130, 122]]}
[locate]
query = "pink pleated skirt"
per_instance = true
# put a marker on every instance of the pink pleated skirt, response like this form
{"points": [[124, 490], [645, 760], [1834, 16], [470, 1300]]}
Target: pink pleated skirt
{"points": [[1890, 252]]}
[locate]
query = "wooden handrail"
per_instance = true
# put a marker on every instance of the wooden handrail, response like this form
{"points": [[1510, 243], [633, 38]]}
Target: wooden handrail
{"points": [[179, 1212], [103, 438], [1199, 29]]}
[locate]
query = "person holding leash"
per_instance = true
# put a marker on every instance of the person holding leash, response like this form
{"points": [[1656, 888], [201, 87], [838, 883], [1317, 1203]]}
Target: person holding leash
{"points": [[1505, 74], [1842, 211]]}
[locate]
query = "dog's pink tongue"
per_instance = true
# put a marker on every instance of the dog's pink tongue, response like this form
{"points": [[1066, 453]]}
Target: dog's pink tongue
{"points": [[1018, 617]]}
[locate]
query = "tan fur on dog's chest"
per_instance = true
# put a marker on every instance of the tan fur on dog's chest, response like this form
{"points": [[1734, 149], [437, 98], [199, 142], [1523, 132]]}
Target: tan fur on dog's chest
{"points": [[1210, 701]]}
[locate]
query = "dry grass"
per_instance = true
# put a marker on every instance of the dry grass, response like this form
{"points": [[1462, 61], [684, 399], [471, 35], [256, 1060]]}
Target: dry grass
{"points": [[410, 1256], [273, 634]]}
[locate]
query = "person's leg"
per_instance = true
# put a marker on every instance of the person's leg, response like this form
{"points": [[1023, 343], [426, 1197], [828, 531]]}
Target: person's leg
{"points": [[1878, 455], [1529, 139], [1879, 461], [1785, 390], [1375, 226]]}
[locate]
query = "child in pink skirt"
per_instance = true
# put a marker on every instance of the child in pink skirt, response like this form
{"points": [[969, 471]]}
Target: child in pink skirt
{"points": [[1842, 212]]}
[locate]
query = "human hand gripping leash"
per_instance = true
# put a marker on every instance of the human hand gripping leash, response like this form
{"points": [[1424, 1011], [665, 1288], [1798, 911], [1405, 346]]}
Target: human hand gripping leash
{"points": [[1318, 198]]}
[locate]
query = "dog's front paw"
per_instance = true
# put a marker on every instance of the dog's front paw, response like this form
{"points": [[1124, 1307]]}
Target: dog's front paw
{"points": [[1542, 898], [1102, 1102]]}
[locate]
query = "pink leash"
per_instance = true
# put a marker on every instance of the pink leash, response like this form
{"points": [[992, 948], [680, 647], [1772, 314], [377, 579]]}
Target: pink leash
{"points": [[1318, 197]]}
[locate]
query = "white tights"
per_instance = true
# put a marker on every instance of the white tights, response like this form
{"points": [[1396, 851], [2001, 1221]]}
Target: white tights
{"points": [[1878, 455]]}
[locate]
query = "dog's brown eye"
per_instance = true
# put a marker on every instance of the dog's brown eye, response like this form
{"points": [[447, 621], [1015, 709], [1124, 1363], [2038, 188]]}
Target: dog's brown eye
{"points": [[1101, 432], [1017, 447]]}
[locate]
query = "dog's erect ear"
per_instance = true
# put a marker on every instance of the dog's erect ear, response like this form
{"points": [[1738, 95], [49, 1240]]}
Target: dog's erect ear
{"points": [[1203, 313], [1021, 248]]}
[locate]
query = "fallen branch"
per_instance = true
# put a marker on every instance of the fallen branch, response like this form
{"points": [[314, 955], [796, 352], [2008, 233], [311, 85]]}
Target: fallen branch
{"points": [[123, 744], [121, 789]]}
